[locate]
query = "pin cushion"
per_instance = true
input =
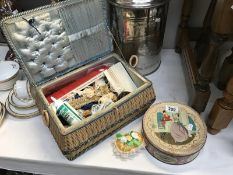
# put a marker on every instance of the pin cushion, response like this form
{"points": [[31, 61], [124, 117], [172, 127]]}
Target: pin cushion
{"points": [[127, 144], [174, 133]]}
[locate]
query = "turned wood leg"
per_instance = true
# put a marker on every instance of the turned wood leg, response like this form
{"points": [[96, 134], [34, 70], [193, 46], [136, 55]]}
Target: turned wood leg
{"points": [[202, 42], [200, 99], [186, 11], [226, 71], [222, 111], [205, 74], [210, 60]]}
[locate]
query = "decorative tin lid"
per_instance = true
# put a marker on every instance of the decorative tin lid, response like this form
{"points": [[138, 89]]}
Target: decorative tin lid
{"points": [[174, 129], [56, 39], [137, 3]]}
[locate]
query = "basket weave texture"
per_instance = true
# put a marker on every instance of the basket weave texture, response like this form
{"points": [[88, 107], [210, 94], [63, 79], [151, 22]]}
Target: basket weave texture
{"points": [[74, 144]]}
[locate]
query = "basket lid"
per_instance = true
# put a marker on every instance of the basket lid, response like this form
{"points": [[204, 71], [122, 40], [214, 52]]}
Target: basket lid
{"points": [[137, 3], [174, 129], [53, 40]]}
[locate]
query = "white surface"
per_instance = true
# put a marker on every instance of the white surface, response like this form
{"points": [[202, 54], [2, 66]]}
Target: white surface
{"points": [[27, 145]]}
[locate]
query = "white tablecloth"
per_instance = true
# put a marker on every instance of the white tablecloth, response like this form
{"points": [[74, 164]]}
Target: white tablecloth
{"points": [[27, 145]]}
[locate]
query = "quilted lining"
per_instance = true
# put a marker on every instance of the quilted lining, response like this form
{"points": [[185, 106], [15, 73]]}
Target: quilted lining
{"points": [[46, 51], [54, 40]]}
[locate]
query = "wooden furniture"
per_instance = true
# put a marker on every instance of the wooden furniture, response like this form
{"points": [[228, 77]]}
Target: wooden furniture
{"points": [[226, 71], [199, 64], [222, 111]]}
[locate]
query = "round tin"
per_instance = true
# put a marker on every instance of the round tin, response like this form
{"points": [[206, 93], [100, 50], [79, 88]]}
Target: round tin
{"points": [[174, 133]]}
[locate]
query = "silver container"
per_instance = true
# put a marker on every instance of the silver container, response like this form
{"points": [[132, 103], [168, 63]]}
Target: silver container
{"points": [[138, 26]]}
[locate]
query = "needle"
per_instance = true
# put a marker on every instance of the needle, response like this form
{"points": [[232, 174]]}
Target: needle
{"points": [[30, 22]]}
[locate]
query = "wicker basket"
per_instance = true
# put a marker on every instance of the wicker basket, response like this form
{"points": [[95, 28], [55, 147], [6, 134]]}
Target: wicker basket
{"points": [[22, 30]]}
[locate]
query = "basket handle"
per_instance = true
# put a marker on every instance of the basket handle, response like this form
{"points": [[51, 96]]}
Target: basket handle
{"points": [[45, 117], [133, 61]]}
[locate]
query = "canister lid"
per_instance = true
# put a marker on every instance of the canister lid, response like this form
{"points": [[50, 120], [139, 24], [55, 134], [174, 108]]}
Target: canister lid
{"points": [[137, 3], [174, 129]]}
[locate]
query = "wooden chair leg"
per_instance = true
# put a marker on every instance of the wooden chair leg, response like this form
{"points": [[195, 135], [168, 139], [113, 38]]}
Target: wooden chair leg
{"points": [[210, 59], [222, 111], [198, 79], [186, 12], [226, 71], [205, 73], [202, 42], [200, 98]]}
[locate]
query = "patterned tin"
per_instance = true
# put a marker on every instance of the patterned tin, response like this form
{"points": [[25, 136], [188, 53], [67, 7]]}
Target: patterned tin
{"points": [[174, 133]]}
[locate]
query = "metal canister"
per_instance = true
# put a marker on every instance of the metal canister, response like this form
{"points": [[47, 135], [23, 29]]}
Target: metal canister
{"points": [[138, 27]]}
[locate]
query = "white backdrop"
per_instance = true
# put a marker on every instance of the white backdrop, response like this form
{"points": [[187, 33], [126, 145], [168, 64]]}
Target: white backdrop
{"points": [[199, 9]]}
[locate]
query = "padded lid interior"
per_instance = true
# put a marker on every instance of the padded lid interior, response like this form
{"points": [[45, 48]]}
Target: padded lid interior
{"points": [[56, 39]]}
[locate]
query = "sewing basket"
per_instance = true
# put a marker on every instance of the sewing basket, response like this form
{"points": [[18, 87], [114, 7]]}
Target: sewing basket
{"points": [[75, 31]]}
